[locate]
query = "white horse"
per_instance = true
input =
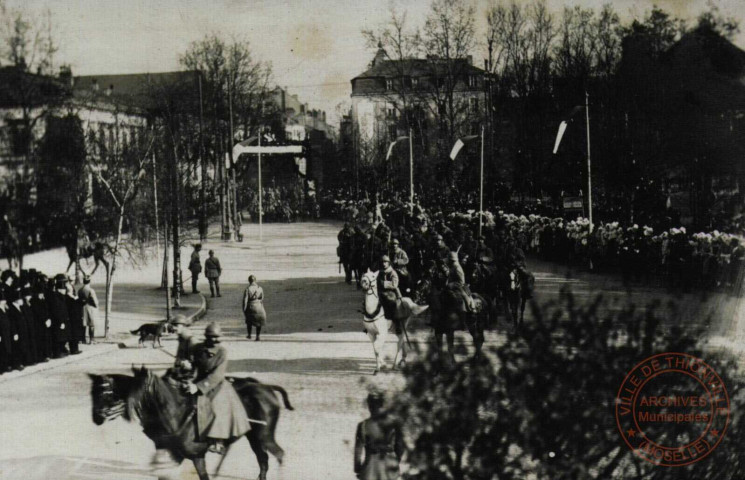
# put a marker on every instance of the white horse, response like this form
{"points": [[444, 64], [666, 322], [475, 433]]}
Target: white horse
{"points": [[377, 326]]}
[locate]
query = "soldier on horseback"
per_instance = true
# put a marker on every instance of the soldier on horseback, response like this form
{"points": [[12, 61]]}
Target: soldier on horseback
{"points": [[400, 261], [457, 281], [344, 251], [211, 389]]}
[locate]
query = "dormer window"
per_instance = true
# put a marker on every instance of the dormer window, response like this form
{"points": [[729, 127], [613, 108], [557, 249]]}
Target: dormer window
{"points": [[472, 81]]}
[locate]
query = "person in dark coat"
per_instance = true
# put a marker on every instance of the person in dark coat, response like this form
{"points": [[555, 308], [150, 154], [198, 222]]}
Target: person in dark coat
{"points": [[195, 267], [31, 325], [213, 270], [42, 318], [89, 300], [75, 314], [6, 337], [253, 307], [22, 355], [344, 251], [57, 302], [378, 445]]}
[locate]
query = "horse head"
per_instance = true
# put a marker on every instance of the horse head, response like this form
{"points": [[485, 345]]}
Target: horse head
{"points": [[369, 281], [109, 397]]}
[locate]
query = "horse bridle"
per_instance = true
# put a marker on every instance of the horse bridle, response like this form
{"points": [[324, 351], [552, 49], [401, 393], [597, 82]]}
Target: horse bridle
{"points": [[372, 290], [115, 406]]}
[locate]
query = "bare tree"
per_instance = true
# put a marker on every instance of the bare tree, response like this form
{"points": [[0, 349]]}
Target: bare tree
{"points": [[121, 173]]}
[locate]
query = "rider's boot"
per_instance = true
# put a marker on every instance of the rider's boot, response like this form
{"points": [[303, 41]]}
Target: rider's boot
{"points": [[217, 446]]}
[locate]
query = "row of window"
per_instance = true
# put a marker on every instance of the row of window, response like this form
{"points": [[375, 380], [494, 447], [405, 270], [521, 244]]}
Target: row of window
{"points": [[392, 112], [409, 82]]}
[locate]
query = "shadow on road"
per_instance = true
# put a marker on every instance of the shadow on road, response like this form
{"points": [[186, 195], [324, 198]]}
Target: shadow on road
{"points": [[304, 366]]}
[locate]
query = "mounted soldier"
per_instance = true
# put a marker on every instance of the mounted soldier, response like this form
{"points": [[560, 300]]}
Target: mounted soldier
{"points": [[400, 261], [457, 281], [217, 401]]}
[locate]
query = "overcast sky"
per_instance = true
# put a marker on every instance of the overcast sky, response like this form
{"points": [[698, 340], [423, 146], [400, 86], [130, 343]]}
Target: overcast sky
{"points": [[315, 46]]}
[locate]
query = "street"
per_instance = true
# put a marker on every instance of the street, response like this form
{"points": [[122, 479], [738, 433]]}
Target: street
{"points": [[313, 346]]}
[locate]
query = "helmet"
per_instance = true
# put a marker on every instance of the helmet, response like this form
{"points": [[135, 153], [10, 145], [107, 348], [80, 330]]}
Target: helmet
{"points": [[395, 241], [179, 320], [213, 330], [385, 258]]}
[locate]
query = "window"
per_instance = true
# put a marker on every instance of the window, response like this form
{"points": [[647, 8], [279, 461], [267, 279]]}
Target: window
{"points": [[389, 84], [473, 104], [415, 82], [390, 110], [473, 81], [392, 131], [19, 137]]}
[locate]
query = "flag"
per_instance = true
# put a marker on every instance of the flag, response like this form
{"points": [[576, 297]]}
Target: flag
{"points": [[456, 149], [390, 150], [559, 134]]}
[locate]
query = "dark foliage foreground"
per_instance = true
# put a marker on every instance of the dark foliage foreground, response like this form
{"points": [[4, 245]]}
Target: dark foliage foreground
{"points": [[542, 404]]}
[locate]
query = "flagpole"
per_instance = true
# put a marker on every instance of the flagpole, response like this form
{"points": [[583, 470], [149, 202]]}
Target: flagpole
{"points": [[481, 182], [411, 170], [261, 225], [589, 163]]}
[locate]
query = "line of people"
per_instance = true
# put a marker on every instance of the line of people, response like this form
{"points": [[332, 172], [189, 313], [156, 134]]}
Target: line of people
{"points": [[42, 318]]}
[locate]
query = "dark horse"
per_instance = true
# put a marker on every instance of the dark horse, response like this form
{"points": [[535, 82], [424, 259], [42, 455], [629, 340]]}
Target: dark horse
{"points": [[168, 416], [518, 287], [448, 313]]}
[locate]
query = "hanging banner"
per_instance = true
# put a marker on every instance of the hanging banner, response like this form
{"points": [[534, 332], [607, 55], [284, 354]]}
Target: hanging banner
{"points": [[559, 135], [456, 149]]}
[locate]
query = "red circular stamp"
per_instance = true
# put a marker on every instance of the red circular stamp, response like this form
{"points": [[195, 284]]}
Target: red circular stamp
{"points": [[672, 409]]}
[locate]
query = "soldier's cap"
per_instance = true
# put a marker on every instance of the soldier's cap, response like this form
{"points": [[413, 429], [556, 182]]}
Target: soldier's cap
{"points": [[212, 252], [179, 320], [385, 258], [213, 330], [395, 241]]}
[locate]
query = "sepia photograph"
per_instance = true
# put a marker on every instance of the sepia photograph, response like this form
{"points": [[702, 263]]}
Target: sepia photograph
{"points": [[372, 239]]}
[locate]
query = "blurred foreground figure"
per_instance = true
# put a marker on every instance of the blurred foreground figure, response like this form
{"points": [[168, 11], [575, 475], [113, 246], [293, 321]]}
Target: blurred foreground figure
{"points": [[378, 443]]}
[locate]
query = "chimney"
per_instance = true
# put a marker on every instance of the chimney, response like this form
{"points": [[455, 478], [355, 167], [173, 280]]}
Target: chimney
{"points": [[110, 90], [65, 75]]}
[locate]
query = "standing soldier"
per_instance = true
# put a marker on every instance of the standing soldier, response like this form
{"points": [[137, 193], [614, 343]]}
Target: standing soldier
{"points": [[253, 307], [90, 307], [213, 270], [195, 267], [6, 337], [344, 251], [58, 311]]}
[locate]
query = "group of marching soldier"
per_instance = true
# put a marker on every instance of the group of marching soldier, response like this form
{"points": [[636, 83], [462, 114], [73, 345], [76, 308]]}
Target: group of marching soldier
{"points": [[42, 318]]}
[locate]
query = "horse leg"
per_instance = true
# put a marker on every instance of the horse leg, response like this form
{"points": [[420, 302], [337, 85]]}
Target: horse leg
{"points": [[261, 456], [201, 467], [374, 340]]}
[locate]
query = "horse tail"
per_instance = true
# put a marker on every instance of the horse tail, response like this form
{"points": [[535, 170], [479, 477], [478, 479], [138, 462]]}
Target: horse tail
{"points": [[283, 392], [135, 332]]}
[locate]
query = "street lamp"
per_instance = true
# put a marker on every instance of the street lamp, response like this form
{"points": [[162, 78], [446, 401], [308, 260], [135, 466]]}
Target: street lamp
{"points": [[411, 163], [459, 144], [560, 134]]}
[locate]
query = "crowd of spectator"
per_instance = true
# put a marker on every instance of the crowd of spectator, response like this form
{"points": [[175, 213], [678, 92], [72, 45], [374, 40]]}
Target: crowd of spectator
{"points": [[284, 204], [42, 318]]}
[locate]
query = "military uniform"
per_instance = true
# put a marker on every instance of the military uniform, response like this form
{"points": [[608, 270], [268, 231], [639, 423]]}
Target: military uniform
{"points": [[378, 449], [230, 421], [212, 271], [195, 267]]}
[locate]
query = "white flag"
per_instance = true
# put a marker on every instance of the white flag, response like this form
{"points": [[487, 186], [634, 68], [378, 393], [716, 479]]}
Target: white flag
{"points": [[227, 161], [456, 149], [390, 150], [559, 134]]}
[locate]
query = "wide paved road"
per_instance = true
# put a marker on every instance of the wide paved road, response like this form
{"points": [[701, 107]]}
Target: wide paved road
{"points": [[313, 346]]}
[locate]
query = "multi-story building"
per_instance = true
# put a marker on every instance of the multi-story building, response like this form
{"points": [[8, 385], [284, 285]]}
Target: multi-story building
{"points": [[423, 94]]}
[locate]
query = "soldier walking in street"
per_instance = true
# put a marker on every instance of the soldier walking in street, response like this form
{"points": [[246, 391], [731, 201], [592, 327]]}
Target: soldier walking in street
{"points": [[253, 307], [213, 270], [195, 267]]}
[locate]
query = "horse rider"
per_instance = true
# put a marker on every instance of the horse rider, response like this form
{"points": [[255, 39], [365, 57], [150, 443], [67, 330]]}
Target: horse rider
{"points": [[211, 389], [378, 445], [390, 295], [186, 344], [457, 281], [344, 251], [400, 261]]}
